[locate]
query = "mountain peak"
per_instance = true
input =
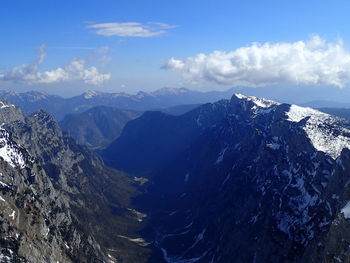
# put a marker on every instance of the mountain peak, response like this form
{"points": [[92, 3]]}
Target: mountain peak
{"points": [[260, 102], [170, 91], [90, 94]]}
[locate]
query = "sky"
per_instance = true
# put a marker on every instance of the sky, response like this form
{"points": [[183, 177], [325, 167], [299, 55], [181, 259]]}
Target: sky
{"points": [[292, 48]]}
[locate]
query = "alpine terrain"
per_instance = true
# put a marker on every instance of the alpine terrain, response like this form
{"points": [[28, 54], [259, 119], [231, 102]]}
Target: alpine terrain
{"points": [[242, 180], [58, 202]]}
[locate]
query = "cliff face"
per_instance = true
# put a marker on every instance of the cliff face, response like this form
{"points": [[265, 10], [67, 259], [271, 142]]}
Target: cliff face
{"points": [[58, 202]]}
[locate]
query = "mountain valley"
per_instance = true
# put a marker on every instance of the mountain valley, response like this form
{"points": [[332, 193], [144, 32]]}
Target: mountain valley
{"points": [[239, 180]]}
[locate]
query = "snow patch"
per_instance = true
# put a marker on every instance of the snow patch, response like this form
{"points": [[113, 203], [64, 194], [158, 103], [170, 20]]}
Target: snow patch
{"points": [[346, 210], [2, 184], [317, 127], [260, 102], [139, 216], [9, 153], [221, 155], [90, 94], [273, 146], [3, 105], [13, 215], [139, 241]]}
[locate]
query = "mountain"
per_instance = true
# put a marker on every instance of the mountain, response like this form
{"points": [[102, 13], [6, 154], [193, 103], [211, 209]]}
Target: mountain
{"points": [[242, 180], [341, 112], [98, 126], [325, 104], [58, 201], [178, 109], [59, 107]]}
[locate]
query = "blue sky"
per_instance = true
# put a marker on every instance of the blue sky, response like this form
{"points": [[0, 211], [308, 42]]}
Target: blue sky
{"points": [[76, 56]]}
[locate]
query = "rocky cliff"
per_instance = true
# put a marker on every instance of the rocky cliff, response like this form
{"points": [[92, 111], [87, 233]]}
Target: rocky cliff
{"points": [[58, 201]]}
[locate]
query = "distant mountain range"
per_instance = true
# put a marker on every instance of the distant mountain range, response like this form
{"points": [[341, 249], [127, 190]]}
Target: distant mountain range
{"points": [[325, 104], [59, 107]]}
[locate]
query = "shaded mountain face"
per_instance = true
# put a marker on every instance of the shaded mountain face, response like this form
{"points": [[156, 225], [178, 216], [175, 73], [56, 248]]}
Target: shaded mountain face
{"points": [[58, 202], [59, 107], [242, 180], [97, 127]]}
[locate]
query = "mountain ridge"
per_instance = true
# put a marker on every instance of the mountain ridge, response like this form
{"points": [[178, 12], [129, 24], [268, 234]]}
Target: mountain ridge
{"points": [[59, 107], [58, 201], [247, 179]]}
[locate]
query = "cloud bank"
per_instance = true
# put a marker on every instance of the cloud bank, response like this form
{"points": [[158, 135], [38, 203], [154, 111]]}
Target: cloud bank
{"points": [[312, 62], [131, 29], [76, 70]]}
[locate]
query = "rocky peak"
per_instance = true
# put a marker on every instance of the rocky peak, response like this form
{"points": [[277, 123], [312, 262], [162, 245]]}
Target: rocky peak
{"points": [[9, 112], [55, 196]]}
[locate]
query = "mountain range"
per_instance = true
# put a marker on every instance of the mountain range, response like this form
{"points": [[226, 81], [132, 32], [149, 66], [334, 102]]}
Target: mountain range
{"points": [[244, 179], [58, 106]]}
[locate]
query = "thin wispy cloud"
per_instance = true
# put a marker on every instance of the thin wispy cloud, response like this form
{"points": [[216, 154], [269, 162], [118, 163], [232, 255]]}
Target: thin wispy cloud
{"points": [[311, 62], [76, 70], [131, 29], [73, 47]]}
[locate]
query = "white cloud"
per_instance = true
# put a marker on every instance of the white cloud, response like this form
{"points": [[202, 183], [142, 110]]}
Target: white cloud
{"points": [[42, 53], [76, 70], [131, 29], [312, 62]]}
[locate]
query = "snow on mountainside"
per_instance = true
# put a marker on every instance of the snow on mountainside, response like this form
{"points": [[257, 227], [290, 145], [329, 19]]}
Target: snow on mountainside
{"points": [[331, 141], [10, 152], [58, 202], [259, 102], [243, 180], [317, 126]]}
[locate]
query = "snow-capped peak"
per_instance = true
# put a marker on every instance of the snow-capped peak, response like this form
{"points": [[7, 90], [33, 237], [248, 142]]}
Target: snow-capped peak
{"points": [[170, 91], [329, 140], [260, 102], [90, 94], [297, 113]]}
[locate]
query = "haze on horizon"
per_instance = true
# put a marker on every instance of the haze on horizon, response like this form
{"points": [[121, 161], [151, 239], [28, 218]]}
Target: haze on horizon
{"points": [[292, 50]]}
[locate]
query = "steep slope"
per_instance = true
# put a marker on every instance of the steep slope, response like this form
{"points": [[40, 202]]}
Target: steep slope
{"points": [[59, 203], [245, 180], [97, 127]]}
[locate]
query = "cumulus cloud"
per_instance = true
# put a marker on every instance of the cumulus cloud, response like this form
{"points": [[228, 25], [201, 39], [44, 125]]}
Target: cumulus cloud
{"points": [[76, 70], [131, 29], [311, 62]]}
